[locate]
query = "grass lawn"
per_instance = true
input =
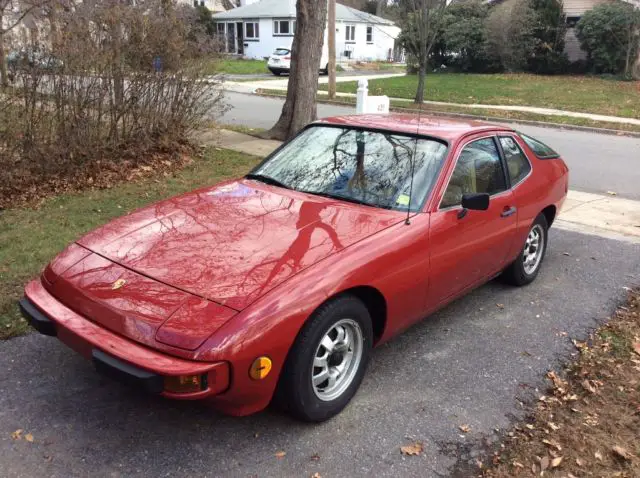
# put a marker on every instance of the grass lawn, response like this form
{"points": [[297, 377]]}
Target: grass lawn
{"points": [[235, 66], [572, 93], [30, 237]]}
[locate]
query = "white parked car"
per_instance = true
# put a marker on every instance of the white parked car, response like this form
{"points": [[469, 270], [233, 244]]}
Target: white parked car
{"points": [[280, 62]]}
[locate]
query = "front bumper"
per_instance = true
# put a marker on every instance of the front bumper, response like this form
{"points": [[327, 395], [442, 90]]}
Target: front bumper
{"points": [[114, 355]]}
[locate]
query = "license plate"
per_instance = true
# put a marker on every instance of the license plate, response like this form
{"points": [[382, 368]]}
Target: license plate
{"points": [[276, 61]]}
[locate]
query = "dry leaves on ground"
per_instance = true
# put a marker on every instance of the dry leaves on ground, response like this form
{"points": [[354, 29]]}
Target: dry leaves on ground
{"points": [[588, 421], [280, 454], [414, 449]]}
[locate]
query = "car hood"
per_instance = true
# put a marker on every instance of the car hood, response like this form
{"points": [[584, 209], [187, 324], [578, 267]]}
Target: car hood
{"points": [[236, 241]]}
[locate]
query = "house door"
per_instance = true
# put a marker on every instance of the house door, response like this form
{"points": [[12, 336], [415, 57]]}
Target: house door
{"points": [[231, 37], [240, 38]]}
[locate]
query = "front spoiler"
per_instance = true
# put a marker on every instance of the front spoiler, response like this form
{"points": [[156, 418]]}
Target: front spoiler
{"points": [[113, 354]]}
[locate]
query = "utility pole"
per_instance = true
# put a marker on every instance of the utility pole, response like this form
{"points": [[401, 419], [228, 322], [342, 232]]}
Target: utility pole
{"points": [[331, 29]]}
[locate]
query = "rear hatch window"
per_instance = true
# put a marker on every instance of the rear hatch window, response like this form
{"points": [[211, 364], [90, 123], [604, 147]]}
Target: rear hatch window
{"points": [[540, 149], [281, 52]]}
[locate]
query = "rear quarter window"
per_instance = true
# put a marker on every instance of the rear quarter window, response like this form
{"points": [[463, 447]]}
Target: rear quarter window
{"points": [[540, 149]]}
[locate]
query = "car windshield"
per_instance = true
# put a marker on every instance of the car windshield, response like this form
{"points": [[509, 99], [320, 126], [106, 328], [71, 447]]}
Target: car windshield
{"points": [[368, 167], [281, 52]]}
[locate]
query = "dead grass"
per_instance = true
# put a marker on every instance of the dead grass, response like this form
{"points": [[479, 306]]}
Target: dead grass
{"points": [[589, 422]]}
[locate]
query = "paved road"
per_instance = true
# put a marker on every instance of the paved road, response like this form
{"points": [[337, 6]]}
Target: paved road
{"points": [[468, 364], [598, 163]]}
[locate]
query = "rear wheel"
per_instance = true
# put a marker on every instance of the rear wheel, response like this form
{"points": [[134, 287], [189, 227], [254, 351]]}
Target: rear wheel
{"points": [[526, 267], [327, 362], [326, 70]]}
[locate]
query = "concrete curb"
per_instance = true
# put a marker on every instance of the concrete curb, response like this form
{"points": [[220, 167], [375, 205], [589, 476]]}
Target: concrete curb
{"points": [[493, 119]]}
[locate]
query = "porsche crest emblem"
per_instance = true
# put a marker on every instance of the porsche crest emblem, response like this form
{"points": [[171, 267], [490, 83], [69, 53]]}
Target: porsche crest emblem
{"points": [[118, 284]]}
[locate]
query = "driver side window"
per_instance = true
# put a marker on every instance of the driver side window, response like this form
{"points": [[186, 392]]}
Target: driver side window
{"points": [[478, 170]]}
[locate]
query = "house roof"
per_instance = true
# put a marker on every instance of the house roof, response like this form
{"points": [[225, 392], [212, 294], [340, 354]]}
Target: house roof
{"points": [[287, 9]]}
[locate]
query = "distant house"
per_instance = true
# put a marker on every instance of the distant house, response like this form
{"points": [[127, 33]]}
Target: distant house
{"points": [[257, 29]]}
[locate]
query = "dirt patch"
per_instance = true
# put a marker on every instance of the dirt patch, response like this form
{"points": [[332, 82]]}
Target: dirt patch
{"points": [[588, 423]]}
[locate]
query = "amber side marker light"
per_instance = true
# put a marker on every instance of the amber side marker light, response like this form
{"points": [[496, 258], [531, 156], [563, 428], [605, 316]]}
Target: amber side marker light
{"points": [[260, 368], [185, 383]]}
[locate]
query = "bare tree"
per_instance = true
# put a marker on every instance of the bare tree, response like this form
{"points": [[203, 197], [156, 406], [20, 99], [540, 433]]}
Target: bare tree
{"points": [[420, 26], [300, 105]]}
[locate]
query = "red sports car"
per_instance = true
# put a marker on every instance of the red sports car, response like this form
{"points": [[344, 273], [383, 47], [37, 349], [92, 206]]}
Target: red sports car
{"points": [[277, 285]]}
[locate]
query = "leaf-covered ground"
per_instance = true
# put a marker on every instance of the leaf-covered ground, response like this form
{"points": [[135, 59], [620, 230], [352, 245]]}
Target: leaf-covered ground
{"points": [[588, 424], [31, 236]]}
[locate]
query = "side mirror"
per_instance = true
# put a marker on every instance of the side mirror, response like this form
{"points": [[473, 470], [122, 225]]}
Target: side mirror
{"points": [[475, 202]]}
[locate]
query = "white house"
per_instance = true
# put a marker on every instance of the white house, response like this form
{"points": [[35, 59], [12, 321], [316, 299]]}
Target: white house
{"points": [[257, 29]]}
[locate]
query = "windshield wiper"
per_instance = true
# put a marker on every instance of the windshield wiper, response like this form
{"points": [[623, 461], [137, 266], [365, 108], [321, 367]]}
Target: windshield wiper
{"points": [[267, 180], [346, 198]]}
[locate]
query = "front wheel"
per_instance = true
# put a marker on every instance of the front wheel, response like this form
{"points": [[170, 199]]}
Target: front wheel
{"points": [[327, 362], [526, 267]]}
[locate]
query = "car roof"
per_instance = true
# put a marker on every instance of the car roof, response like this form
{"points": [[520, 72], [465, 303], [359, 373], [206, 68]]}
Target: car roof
{"points": [[445, 128]]}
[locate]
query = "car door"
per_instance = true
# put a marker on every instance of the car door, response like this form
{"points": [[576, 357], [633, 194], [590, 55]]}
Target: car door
{"points": [[468, 247]]}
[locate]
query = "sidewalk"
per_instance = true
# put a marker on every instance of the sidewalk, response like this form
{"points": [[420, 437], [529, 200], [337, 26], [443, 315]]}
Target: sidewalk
{"points": [[593, 214], [281, 85]]}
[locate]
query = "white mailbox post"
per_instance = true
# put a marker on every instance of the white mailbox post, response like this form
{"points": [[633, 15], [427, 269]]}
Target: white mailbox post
{"points": [[366, 104]]}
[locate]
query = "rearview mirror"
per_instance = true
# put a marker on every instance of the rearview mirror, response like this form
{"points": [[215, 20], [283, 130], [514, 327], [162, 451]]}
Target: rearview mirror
{"points": [[475, 202]]}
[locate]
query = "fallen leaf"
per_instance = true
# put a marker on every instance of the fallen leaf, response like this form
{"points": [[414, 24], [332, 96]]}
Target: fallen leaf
{"points": [[17, 435], [412, 450], [636, 347], [29, 437], [517, 464], [465, 428], [580, 462], [500, 306], [587, 386], [553, 426], [280, 454], [622, 452], [598, 455], [544, 463], [529, 426], [316, 475], [552, 444], [315, 457], [566, 254], [555, 463], [612, 193]]}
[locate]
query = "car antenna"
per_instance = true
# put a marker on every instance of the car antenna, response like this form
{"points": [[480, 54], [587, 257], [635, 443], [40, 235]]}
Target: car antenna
{"points": [[413, 162]]}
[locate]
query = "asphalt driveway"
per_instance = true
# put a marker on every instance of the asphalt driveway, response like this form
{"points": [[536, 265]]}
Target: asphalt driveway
{"points": [[472, 363]]}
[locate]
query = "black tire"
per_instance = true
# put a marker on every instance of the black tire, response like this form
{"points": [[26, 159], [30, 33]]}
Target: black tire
{"points": [[276, 72], [325, 71], [296, 392], [516, 274]]}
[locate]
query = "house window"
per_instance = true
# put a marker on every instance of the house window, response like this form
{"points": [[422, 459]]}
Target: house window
{"points": [[195, 3], [220, 27], [252, 30], [202, 3], [369, 34], [283, 27], [350, 33]]}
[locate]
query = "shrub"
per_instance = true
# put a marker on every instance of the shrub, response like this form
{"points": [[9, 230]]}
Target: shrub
{"points": [[511, 37], [463, 37], [610, 34], [125, 85], [549, 31]]}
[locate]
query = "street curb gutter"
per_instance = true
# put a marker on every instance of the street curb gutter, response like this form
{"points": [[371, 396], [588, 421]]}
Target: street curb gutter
{"points": [[493, 119]]}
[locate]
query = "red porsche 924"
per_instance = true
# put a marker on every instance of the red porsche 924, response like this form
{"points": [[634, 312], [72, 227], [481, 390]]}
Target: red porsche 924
{"points": [[277, 285]]}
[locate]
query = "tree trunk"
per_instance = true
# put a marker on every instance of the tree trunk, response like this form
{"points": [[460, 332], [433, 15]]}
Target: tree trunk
{"points": [[422, 73], [300, 106], [4, 79], [380, 7], [331, 32]]}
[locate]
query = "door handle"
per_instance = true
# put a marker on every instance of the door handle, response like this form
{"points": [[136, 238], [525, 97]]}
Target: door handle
{"points": [[508, 211]]}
